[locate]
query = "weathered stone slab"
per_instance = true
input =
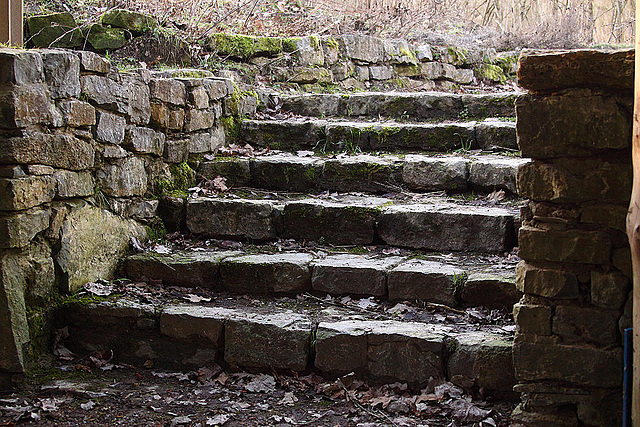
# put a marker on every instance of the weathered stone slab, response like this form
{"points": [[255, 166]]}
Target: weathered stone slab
{"points": [[426, 173], [363, 48], [136, 208], [14, 329], [542, 70], [20, 67], [189, 323], [312, 105], [533, 319], [54, 30], [17, 230], [568, 363], [144, 140], [283, 135], [90, 61], [239, 219], [73, 184], [207, 142], [352, 274], [26, 105], [481, 106], [448, 227], [586, 247], [610, 215], [176, 150], [277, 341], [186, 269], [490, 290], [244, 47], [128, 94], [198, 119], [62, 73], [425, 280], [495, 173], [110, 128], [546, 282], [235, 170], [437, 71], [578, 123], [494, 134], [125, 177], [286, 273], [361, 173], [341, 347], [586, 324], [104, 239], [608, 290], [289, 173], [57, 150], [308, 51], [136, 23], [398, 51], [78, 113], [338, 223], [24, 193]]}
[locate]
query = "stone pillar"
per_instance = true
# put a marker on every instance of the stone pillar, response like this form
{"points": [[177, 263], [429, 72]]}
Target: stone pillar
{"points": [[575, 123], [11, 22]]}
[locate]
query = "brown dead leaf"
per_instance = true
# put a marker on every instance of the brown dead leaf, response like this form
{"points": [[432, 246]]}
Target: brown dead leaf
{"points": [[222, 378]]}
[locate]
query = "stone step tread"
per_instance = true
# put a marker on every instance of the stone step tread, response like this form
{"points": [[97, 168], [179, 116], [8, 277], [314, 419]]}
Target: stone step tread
{"points": [[345, 219], [367, 172], [332, 341], [417, 105], [335, 136], [434, 278]]}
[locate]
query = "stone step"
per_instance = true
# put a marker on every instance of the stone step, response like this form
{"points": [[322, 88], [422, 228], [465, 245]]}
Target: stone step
{"points": [[433, 223], [463, 282], [367, 173], [353, 136], [271, 336], [416, 106]]}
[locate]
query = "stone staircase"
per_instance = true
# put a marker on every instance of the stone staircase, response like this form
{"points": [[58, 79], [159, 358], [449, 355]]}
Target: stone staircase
{"points": [[401, 199]]}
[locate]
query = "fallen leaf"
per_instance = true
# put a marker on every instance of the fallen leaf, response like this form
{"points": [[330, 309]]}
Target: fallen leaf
{"points": [[288, 399], [196, 298], [262, 383], [98, 289], [218, 420], [366, 303], [88, 406]]}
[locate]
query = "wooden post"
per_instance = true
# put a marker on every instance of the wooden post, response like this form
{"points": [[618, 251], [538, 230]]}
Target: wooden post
{"points": [[633, 232], [11, 22]]}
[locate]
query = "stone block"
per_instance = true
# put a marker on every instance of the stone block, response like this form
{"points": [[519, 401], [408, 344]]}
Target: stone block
{"points": [[287, 273], [361, 173], [238, 219], [363, 48], [427, 173], [62, 73], [608, 290], [104, 239], [189, 323], [588, 324], [199, 97], [482, 106], [144, 140], [218, 88], [612, 216], [425, 280], [308, 51], [341, 347], [27, 105], [545, 70], [90, 61], [494, 173], [572, 364], [24, 193], [136, 23], [104, 38], [492, 290], [137, 208], [78, 113], [17, 230], [73, 184], [586, 247], [424, 53], [114, 152], [533, 319], [398, 51], [546, 282], [236, 171], [621, 259], [277, 341], [352, 274], [288, 173], [198, 119], [170, 91], [404, 70], [54, 30], [579, 123], [310, 75], [207, 142], [40, 170], [110, 128], [494, 134], [463, 76], [381, 72], [14, 328], [124, 177], [57, 150], [176, 150], [20, 67], [438, 71]]}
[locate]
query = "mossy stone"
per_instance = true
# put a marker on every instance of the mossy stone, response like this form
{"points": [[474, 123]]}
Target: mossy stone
{"points": [[54, 30], [103, 38], [491, 72], [135, 22], [245, 47]]}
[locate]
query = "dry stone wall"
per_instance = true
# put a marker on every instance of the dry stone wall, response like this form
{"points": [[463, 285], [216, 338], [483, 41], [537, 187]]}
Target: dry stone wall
{"points": [[84, 150], [575, 123]]}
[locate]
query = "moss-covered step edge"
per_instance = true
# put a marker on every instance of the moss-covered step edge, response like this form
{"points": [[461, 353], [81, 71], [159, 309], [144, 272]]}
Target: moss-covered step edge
{"points": [[414, 106], [393, 278], [353, 136], [367, 173], [435, 223], [330, 342]]}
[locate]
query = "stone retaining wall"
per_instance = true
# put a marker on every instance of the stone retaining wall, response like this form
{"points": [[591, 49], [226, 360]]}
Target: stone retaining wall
{"points": [[84, 149], [575, 123]]}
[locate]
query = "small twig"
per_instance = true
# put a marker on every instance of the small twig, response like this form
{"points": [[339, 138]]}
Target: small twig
{"points": [[445, 307], [380, 416]]}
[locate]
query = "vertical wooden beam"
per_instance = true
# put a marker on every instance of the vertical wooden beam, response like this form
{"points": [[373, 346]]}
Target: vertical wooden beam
{"points": [[5, 22], [633, 231], [11, 22]]}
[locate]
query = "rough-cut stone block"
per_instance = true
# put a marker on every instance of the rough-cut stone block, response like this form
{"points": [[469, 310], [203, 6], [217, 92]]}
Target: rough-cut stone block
{"points": [[447, 227], [572, 364], [40, 170], [543, 70], [546, 282], [198, 97], [586, 324], [427, 173], [312, 105], [176, 150], [62, 73], [73, 184], [136, 23], [361, 173], [424, 280], [20, 67], [495, 173], [587, 247], [485, 358], [235, 170], [126, 177], [54, 30], [78, 113], [494, 134], [352, 274], [104, 239], [341, 347], [240, 219], [363, 48], [608, 290], [110, 128], [490, 290], [437, 71], [90, 61], [338, 223], [26, 105], [613, 216], [144, 140], [277, 134], [198, 119], [207, 142], [218, 88], [17, 230], [186, 323], [105, 38], [168, 90], [114, 152], [264, 274], [579, 123], [381, 72], [57, 150], [424, 53], [289, 173], [127, 95], [486, 105], [533, 319], [24, 193], [277, 341], [13, 171]]}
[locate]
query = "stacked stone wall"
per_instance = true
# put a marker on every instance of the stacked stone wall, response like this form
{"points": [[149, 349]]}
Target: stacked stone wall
{"points": [[84, 153], [575, 123]]}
